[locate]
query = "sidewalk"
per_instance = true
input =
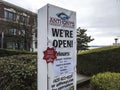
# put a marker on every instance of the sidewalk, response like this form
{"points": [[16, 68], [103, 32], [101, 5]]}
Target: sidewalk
{"points": [[82, 78], [83, 82]]}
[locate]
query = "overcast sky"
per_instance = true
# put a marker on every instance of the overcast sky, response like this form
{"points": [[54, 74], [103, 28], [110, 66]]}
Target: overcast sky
{"points": [[101, 18]]}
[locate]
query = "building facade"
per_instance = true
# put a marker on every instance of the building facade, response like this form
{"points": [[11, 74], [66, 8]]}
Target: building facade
{"points": [[18, 27]]}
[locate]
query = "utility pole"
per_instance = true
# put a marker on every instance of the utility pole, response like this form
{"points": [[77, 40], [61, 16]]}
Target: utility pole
{"points": [[2, 40]]}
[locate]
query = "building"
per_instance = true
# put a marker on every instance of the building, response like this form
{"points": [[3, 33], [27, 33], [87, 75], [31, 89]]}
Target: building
{"points": [[18, 27]]}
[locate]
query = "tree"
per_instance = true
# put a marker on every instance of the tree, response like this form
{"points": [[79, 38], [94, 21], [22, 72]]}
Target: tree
{"points": [[82, 39]]}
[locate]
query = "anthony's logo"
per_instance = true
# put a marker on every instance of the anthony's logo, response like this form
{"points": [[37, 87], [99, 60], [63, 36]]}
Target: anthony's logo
{"points": [[61, 20], [63, 16]]}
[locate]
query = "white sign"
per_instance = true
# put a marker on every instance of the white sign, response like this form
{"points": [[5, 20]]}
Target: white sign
{"points": [[64, 82], [63, 66], [56, 31]]}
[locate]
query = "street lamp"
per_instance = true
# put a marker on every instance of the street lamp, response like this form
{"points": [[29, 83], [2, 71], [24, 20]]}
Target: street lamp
{"points": [[116, 40]]}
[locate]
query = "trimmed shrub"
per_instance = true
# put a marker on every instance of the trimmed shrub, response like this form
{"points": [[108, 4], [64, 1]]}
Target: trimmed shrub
{"points": [[94, 61], [105, 81], [5, 52], [18, 72]]}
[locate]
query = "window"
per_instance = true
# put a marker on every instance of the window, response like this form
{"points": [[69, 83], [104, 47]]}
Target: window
{"points": [[22, 32], [11, 45], [36, 44], [23, 19], [9, 15], [22, 45], [12, 31], [36, 33]]}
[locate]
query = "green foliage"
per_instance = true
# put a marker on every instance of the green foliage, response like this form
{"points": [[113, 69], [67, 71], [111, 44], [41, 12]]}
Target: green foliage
{"points": [[18, 72], [105, 81], [104, 59], [82, 39], [4, 52]]}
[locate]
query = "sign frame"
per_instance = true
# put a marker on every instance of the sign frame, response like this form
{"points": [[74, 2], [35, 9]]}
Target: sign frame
{"points": [[58, 33]]}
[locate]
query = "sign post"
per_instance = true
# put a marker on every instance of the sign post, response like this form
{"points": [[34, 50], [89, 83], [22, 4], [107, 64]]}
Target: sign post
{"points": [[56, 48]]}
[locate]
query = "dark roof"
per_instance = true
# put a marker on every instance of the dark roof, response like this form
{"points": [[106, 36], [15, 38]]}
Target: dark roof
{"points": [[15, 6]]}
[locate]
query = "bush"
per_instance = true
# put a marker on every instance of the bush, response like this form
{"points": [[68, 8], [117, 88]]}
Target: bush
{"points": [[4, 52], [99, 60], [18, 72], [105, 81]]}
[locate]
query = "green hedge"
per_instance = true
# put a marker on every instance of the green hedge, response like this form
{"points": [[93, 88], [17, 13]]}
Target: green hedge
{"points": [[5, 52], [105, 81], [18, 72], [104, 59]]}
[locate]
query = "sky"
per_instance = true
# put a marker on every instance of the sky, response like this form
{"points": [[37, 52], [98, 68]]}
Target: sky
{"points": [[101, 18]]}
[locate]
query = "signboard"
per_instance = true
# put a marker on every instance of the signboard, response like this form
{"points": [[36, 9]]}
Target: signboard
{"points": [[56, 48]]}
